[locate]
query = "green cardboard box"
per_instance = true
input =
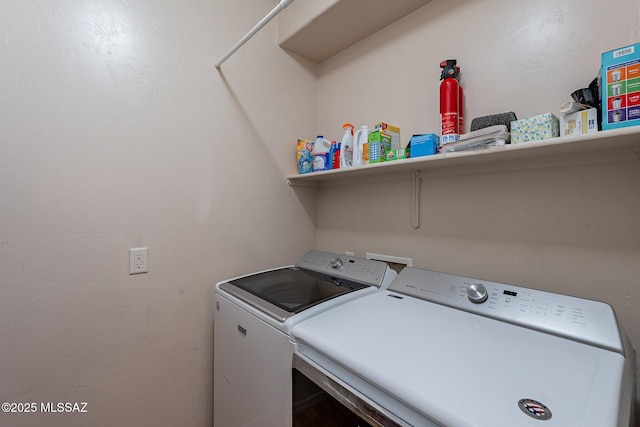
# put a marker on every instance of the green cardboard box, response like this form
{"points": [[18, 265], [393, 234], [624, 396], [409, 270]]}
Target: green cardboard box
{"points": [[379, 146], [399, 154]]}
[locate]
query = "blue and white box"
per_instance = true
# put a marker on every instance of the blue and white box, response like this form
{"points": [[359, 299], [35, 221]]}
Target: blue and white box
{"points": [[620, 87], [423, 145]]}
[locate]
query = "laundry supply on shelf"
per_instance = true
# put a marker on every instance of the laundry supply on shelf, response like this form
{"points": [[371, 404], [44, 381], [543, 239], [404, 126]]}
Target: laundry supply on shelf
{"points": [[424, 145], [322, 158], [399, 154], [305, 158], [392, 131], [334, 154], [355, 149], [379, 146], [361, 146], [346, 146]]}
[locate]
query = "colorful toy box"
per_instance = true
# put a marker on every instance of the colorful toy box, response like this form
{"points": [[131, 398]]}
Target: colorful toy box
{"points": [[536, 128], [620, 87]]}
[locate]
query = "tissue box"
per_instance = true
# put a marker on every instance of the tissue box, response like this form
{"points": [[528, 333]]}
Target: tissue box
{"points": [[620, 87], [379, 146], [579, 123], [423, 145], [535, 128], [392, 131]]}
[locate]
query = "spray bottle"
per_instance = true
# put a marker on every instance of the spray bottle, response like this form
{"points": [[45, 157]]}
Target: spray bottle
{"points": [[346, 146], [360, 142], [450, 102]]}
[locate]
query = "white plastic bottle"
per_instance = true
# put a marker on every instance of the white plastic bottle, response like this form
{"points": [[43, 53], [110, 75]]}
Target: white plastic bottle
{"points": [[360, 140], [320, 154], [346, 146]]}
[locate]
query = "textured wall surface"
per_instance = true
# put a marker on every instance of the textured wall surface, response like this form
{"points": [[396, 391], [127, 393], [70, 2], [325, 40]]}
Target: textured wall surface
{"points": [[116, 131], [568, 226]]}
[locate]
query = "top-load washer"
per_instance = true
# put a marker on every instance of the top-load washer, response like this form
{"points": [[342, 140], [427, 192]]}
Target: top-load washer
{"points": [[252, 320], [442, 350]]}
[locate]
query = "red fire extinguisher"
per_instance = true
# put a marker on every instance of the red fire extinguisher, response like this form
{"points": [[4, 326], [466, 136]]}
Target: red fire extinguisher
{"points": [[451, 120]]}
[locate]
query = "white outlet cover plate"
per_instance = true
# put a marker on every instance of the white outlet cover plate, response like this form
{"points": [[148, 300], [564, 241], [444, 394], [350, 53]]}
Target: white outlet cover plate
{"points": [[138, 260]]}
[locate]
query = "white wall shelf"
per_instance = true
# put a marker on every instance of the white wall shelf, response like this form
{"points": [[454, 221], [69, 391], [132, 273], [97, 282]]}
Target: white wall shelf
{"points": [[604, 146], [319, 29]]}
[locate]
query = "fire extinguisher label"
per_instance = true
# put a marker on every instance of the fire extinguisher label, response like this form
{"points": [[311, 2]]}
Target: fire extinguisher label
{"points": [[449, 127], [445, 139], [449, 123]]}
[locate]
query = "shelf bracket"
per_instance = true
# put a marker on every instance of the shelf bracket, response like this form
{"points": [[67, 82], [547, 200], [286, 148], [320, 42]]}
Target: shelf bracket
{"points": [[415, 199]]}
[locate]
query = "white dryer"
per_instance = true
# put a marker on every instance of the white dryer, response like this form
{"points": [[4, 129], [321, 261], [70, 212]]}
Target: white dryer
{"points": [[443, 350], [253, 317]]}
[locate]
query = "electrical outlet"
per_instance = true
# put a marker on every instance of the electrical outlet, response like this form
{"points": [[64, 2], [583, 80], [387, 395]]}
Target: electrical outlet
{"points": [[138, 260]]}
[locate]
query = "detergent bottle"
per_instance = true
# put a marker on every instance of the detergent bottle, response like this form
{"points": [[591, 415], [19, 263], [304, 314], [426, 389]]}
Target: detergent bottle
{"points": [[360, 144], [334, 155], [346, 146], [320, 153]]}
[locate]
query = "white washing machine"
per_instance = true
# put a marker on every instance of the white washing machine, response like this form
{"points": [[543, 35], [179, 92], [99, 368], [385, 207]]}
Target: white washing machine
{"points": [[443, 350], [253, 318]]}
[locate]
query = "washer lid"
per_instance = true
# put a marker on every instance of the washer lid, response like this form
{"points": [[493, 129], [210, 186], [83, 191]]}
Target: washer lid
{"points": [[281, 293], [462, 369]]}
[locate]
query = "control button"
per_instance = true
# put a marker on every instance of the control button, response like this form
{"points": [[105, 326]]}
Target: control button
{"points": [[335, 263], [477, 293]]}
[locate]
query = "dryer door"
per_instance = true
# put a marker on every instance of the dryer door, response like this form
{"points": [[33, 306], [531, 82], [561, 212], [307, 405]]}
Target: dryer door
{"points": [[321, 399]]}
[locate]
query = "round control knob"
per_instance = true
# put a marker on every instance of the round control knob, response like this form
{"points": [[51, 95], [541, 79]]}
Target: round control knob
{"points": [[335, 263], [477, 293]]}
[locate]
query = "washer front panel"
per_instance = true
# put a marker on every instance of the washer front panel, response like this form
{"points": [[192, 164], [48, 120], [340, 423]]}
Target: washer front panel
{"points": [[447, 363], [583, 320]]}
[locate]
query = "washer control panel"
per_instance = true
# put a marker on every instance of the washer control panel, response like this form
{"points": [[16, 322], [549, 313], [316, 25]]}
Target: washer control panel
{"points": [[353, 269], [477, 293], [583, 320]]}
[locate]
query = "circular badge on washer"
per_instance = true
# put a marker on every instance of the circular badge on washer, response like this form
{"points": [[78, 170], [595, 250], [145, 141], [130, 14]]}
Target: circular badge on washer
{"points": [[534, 409]]}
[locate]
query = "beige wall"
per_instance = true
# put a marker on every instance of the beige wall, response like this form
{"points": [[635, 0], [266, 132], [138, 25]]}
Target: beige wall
{"points": [[571, 227], [116, 131]]}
